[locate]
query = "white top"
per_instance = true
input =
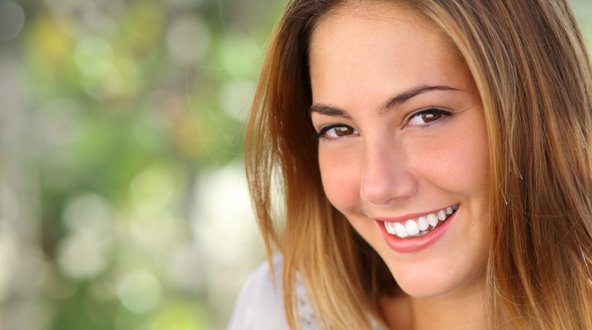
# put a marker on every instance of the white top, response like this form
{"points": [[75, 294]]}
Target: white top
{"points": [[260, 306], [260, 303]]}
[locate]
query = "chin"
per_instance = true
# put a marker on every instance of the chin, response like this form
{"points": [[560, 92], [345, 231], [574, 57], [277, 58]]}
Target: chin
{"points": [[422, 289], [422, 281]]}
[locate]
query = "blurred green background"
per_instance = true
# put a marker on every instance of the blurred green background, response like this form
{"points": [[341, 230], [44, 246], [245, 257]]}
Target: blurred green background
{"points": [[122, 198]]}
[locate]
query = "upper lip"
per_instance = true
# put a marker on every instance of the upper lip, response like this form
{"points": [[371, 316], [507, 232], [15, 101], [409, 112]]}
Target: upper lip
{"points": [[406, 217]]}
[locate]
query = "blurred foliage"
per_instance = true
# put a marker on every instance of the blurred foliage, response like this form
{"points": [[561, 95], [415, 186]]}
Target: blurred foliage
{"points": [[122, 107], [120, 145]]}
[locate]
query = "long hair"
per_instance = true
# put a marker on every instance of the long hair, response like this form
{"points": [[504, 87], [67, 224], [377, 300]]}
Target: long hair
{"points": [[532, 71]]}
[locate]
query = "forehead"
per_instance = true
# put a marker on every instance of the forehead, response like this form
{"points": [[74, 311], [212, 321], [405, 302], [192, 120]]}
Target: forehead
{"points": [[375, 10], [376, 45], [366, 15]]}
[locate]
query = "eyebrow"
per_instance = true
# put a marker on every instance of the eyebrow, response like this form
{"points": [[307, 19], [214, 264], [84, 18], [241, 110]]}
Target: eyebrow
{"points": [[328, 111], [393, 102]]}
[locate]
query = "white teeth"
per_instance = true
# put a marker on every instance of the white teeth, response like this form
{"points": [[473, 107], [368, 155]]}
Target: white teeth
{"points": [[412, 228], [433, 220], [390, 228], [423, 223], [400, 230], [421, 226]]}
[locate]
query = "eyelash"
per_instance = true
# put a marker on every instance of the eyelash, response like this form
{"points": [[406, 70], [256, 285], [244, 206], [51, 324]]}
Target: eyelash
{"points": [[429, 111], [322, 134]]}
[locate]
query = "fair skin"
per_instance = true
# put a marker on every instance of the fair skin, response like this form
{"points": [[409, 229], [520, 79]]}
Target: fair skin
{"points": [[402, 136]]}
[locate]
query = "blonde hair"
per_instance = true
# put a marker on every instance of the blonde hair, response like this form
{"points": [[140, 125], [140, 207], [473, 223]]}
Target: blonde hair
{"points": [[533, 74]]}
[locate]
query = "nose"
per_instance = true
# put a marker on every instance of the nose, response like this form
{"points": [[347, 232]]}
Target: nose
{"points": [[387, 177]]}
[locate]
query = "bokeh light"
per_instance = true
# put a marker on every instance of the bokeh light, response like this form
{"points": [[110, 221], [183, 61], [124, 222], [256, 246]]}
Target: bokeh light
{"points": [[12, 19]]}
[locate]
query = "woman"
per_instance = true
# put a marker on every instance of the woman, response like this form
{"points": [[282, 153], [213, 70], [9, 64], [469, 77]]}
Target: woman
{"points": [[448, 184]]}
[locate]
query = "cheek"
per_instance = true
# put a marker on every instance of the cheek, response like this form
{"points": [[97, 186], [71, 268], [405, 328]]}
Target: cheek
{"points": [[472, 162], [457, 162], [463, 167], [339, 174]]}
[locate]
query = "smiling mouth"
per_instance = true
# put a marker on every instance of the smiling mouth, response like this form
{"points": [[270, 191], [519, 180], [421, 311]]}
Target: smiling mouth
{"points": [[420, 226]]}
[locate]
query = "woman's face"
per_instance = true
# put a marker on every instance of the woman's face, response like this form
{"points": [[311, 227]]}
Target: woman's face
{"points": [[403, 149]]}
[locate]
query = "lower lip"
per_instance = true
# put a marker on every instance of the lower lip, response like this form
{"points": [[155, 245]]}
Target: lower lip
{"points": [[415, 244]]}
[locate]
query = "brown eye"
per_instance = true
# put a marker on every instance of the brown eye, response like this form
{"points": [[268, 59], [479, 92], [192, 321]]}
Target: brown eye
{"points": [[428, 116], [333, 132], [343, 131]]}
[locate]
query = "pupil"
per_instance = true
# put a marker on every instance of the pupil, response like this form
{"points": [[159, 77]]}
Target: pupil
{"points": [[341, 131], [430, 116]]}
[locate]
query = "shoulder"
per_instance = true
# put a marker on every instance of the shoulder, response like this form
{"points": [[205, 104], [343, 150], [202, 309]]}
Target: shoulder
{"points": [[259, 304]]}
